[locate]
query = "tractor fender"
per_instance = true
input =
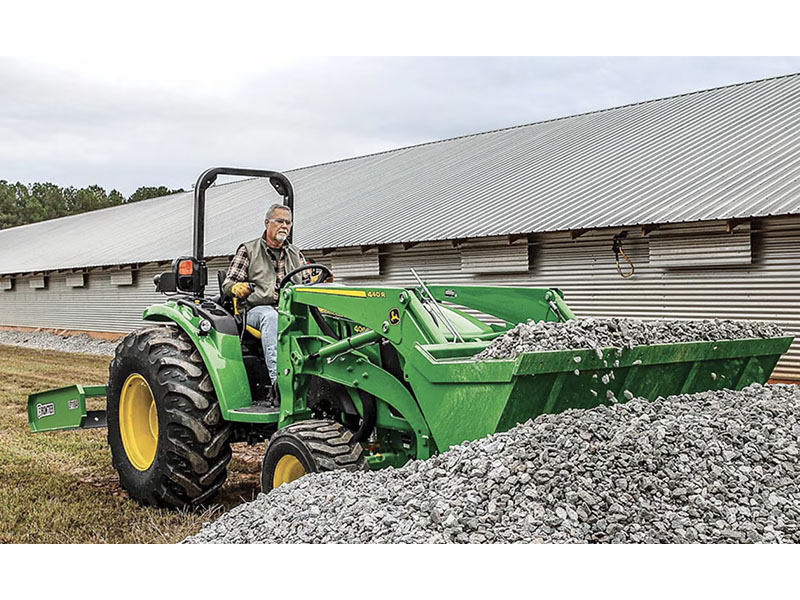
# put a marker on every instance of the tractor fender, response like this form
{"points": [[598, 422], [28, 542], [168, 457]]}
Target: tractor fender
{"points": [[221, 353]]}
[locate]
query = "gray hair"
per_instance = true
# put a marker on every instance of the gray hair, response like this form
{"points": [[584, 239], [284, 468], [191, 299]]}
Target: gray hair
{"points": [[272, 208]]}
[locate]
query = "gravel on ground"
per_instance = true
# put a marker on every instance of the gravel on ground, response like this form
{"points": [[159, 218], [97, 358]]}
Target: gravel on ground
{"points": [[81, 343], [714, 467]]}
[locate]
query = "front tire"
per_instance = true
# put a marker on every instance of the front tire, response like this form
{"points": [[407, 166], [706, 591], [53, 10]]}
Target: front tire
{"points": [[168, 441], [310, 447]]}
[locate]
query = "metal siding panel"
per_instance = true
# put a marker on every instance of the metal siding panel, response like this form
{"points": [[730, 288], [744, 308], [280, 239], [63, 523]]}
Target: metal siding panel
{"points": [[75, 279], [352, 265], [767, 289], [122, 277], [494, 256], [692, 246], [98, 306]]}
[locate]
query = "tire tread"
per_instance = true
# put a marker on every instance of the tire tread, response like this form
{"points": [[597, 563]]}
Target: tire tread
{"points": [[331, 445], [192, 464]]}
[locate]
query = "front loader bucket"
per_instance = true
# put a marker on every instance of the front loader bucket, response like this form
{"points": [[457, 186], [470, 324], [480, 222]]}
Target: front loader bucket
{"points": [[65, 408], [464, 399]]}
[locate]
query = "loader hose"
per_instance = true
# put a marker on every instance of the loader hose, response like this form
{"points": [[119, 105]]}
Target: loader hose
{"points": [[617, 247], [322, 323], [362, 430]]}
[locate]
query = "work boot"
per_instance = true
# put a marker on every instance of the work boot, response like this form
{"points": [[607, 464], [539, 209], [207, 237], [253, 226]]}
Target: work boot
{"points": [[270, 399], [273, 397]]}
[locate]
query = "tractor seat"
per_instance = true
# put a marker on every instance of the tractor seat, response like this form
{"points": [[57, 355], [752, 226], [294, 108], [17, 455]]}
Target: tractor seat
{"points": [[251, 330]]}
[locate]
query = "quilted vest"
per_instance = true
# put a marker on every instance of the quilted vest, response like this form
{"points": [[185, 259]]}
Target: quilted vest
{"points": [[261, 271]]}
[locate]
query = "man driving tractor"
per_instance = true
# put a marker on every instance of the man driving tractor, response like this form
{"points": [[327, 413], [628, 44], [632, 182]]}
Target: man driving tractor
{"points": [[253, 277]]}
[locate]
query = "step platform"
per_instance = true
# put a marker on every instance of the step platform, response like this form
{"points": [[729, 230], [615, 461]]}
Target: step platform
{"points": [[257, 409]]}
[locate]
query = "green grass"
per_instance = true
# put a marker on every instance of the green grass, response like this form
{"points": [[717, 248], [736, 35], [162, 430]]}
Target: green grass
{"points": [[59, 487]]}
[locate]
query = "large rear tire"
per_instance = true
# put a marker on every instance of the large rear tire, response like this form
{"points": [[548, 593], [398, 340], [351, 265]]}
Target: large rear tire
{"points": [[168, 441], [310, 447]]}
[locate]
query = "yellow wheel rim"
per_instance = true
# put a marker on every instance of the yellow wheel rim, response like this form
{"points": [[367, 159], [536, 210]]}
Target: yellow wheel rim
{"points": [[138, 422], [288, 469]]}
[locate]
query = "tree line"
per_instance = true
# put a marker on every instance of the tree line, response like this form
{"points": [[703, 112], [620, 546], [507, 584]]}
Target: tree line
{"points": [[21, 203]]}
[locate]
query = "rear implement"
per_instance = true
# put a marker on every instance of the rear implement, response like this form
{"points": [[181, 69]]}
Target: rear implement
{"points": [[65, 408]]}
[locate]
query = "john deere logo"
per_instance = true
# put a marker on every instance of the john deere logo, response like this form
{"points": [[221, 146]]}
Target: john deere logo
{"points": [[394, 316]]}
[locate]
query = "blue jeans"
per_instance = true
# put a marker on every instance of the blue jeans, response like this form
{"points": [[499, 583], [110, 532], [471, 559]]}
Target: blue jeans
{"points": [[265, 319]]}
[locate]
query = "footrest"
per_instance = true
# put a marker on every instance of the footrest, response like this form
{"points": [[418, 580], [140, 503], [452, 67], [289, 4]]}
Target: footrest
{"points": [[258, 409]]}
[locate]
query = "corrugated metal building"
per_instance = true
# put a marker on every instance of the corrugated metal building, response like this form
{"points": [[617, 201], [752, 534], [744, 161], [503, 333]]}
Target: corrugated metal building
{"points": [[706, 185]]}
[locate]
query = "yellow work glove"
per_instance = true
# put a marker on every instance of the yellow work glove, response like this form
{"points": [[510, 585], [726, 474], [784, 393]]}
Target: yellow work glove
{"points": [[241, 290]]}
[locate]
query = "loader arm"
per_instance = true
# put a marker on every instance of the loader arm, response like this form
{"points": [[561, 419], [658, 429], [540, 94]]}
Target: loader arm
{"points": [[397, 316]]}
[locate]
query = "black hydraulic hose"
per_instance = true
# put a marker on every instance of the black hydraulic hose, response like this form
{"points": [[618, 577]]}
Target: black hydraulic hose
{"points": [[368, 418], [322, 323]]}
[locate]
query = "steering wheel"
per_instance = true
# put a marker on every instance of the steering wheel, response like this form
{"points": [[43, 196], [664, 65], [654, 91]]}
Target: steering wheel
{"points": [[288, 277]]}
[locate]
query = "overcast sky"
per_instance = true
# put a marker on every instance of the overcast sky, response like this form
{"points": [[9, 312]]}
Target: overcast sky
{"points": [[122, 123]]}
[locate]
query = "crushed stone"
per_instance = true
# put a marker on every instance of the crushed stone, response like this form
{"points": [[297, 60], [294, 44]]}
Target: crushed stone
{"points": [[599, 333], [81, 343], [713, 467]]}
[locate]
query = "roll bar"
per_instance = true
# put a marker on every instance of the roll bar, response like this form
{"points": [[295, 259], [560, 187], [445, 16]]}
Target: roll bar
{"points": [[278, 180]]}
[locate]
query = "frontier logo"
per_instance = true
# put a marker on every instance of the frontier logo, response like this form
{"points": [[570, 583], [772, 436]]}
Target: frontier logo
{"points": [[45, 410]]}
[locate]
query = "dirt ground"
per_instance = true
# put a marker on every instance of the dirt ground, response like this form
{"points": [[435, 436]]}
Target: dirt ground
{"points": [[59, 487]]}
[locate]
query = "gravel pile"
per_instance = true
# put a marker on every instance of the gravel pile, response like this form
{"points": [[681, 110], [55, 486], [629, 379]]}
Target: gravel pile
{"points": [[619, 333], [81, 343], [712, 467]]}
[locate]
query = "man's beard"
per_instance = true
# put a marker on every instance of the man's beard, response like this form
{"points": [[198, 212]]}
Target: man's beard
{"points": [[280, 236]]}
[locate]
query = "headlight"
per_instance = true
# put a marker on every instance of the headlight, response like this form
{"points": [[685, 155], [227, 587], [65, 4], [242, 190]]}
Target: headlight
{"points": [[205, 326]]}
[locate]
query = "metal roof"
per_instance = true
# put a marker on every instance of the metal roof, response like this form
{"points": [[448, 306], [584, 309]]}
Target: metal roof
{"points": [[729, 152]]}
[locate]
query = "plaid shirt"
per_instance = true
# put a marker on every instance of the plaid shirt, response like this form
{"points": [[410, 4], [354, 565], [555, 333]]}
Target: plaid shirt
{"points": [[237, 272]]}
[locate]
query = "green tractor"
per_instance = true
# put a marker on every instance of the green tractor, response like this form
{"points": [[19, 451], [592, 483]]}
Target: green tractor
{"points": [[368, 377]]}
